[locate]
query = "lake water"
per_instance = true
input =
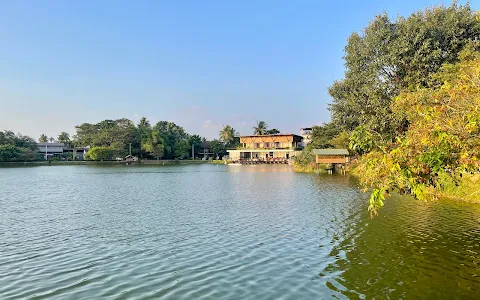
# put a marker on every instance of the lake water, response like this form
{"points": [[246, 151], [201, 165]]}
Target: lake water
{"points": [[225, 232]]}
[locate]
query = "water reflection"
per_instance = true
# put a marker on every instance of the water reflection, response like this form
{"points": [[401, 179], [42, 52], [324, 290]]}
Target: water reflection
{"points": [[275, 168], [412, 249], [225, 232]]}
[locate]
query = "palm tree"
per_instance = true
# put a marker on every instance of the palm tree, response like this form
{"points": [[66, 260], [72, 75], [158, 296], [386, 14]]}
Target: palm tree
{"points": [[260, 129], [64, 137], [43, 138], [52, 140], [227, 135]]}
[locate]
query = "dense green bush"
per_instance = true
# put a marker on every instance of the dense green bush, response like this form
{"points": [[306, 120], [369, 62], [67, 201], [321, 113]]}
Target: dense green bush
{"points": [[100, 153]]}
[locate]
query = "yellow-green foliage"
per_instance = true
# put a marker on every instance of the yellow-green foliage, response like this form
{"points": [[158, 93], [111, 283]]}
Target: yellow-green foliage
{"points": [[100, 153], [341, 141], [304, 162], [467, 188], [442, 142]]}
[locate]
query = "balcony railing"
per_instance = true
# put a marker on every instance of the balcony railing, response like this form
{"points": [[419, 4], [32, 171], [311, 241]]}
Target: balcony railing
{"points": [[261, 159], [266, 149]]}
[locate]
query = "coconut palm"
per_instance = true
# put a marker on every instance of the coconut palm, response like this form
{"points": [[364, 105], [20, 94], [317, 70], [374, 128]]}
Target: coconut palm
{"points": [[51, 140], [260, 129], [43, 138], [227, 135]]}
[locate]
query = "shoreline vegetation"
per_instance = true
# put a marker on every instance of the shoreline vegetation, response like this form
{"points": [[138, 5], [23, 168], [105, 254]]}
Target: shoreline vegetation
{"points": [[108, 162], [409, 106], [407, 109]]}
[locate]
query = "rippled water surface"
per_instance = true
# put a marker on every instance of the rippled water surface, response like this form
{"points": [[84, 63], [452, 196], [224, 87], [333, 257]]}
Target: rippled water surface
{"points": [[225, 232]]}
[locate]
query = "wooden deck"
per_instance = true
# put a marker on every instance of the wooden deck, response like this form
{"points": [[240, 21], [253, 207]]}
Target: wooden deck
{"points": [[262, 161]]}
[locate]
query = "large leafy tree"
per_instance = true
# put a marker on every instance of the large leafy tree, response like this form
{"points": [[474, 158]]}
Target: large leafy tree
{"points": [[195, 141], [152, 143], [273, 131], [155, 147], [442, 143], [144, 130], [321, 136], [391, 56], [64, 137], [174, 137], [181, 149], [260, 128], [17, 147], [100, 153], [218, 148], [9, 138], [118, 135]]}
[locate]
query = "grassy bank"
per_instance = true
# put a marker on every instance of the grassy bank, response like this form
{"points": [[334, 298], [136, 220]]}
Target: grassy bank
{"points": [[310, 168], [466, 189], [90, 162]]}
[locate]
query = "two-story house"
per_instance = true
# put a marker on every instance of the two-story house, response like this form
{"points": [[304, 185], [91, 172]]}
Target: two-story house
{"points": [[266, 147]]}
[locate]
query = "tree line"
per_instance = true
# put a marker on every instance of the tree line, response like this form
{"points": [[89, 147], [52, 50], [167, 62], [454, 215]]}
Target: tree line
{"points": [[163, 140], [17, 147], [110, 139]]}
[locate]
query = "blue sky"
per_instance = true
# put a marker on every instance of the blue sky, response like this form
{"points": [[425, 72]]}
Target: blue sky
{"points": [[200, 64]]}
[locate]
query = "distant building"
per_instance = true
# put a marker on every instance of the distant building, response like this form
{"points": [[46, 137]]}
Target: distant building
{"points": [[267, 147], [331, 156], [306, 133], [77, 152], [205, 151], [50, 150], [131, 158]]}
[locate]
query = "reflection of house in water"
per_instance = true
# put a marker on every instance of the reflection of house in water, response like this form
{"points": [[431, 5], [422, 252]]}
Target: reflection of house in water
{"points": [[267, 148], [205, 151], [60, 150]]}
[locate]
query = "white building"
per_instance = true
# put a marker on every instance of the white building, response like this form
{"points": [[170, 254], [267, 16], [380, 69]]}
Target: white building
{"points": [[305, 133], [51, 149], [267, 148]]}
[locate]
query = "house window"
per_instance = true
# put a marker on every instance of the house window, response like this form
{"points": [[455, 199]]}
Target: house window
{"points": [[277, 145], [256, 145], [267, 145]]}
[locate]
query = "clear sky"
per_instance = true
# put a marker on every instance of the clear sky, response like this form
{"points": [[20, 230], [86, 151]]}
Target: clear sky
{"points": [[200, 64]]}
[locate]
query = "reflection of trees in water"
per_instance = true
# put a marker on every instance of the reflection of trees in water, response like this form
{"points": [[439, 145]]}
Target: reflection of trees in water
{"points": [[412, 249]]}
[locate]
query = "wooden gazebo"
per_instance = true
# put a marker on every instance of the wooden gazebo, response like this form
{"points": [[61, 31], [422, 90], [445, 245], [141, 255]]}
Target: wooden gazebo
{"points": [[332, 157]]}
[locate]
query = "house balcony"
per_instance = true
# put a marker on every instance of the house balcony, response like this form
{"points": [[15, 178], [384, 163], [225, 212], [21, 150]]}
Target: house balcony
{"points": [[298, 148]]}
